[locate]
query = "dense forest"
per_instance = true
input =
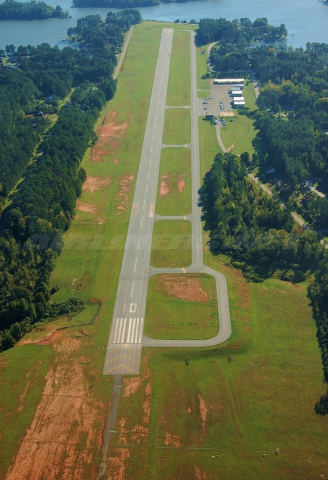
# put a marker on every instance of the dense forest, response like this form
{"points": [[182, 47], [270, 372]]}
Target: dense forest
{"points": [[74, 84], [12, 10], [252, 227]]}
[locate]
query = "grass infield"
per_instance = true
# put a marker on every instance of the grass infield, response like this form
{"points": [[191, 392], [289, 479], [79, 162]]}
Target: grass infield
{"points": [[177, 130], [174, 189], [178, 91], [181, 306], [171, 246]]}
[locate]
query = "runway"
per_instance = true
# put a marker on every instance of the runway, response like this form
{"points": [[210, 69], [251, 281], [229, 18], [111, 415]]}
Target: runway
{"points": [[126, 335]]}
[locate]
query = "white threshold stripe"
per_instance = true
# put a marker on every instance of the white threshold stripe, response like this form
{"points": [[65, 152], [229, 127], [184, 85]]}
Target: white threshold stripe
{"points": [[116, 329], [123, 330], [119, 331], [129, 330], [133, 327], [137, 331], [140, 330]]}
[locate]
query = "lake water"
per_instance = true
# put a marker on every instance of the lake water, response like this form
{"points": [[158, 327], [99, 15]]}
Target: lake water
{"points": [[306, 19]]}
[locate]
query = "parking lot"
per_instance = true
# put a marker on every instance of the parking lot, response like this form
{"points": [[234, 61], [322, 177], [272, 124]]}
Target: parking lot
{"points": [[220, 93]]}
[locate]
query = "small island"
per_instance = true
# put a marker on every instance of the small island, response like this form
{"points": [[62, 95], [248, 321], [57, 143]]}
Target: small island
{"points": [[11, 10]]}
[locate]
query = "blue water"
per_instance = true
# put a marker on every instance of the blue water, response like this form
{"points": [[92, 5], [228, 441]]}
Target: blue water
{"points": [[306, 19]]}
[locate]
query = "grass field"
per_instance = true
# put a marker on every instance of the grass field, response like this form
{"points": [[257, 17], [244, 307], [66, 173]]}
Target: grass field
{"points": [[178, 91], [262, 400], [201, 58], [22, 378], [177, 126], [174, 190], [208, 145], [181, 306], [237, 135], [171, 247]]}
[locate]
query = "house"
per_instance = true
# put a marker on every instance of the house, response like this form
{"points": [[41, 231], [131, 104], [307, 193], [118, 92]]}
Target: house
{"points": [[269, 170]]}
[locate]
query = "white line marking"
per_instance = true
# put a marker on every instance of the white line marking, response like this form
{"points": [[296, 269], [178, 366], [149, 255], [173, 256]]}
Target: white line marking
{"points": [[137, 331], [132, 288], [133, 307], [138, 241], [123, 330], [135, 264], [148, 174], [141, 223], [140, 330], [119, 330], [133, 327], [124, 307], [146, 188], [116, 328], [129, 330], [143, 208]]}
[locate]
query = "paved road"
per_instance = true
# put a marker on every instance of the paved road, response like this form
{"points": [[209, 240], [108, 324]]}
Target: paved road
{"points": [[126, 336]]}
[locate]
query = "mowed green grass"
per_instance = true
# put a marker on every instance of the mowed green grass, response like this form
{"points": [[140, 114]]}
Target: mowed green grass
{"points": [[201, 59], [238, 410], [237, 135], [174, 189], [208, 145], [181, 306], [177, 126], [178, 91], [171, 245]]}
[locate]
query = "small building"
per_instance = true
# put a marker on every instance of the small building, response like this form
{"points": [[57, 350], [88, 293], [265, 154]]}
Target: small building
{"points": [[239, 86], [236, 93], [239, 104], [228, 81], [269, 170]]}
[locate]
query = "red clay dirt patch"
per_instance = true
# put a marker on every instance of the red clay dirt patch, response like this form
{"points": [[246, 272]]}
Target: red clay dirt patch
{"points": [[131, 386], [202, 414], [182, 286], [172, 440], [164, 188], [123, 194], [92, 184], [199, 474], [110, 136], [181, 183], [60, 442], [86, 207]]}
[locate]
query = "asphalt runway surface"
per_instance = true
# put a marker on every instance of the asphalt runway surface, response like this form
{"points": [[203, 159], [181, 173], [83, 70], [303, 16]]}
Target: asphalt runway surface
{"points": [[126, 335]]}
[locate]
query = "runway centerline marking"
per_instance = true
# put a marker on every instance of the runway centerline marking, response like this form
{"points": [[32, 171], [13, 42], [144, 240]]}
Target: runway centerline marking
{"points": [[132, 288], [135, 264]]}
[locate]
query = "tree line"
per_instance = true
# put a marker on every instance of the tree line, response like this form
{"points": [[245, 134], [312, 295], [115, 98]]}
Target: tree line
{"points": [[12, 10], [44, 204]]}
